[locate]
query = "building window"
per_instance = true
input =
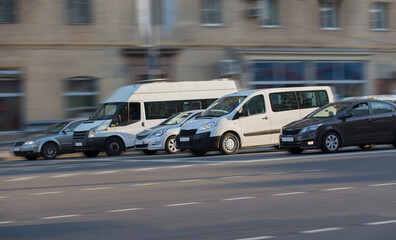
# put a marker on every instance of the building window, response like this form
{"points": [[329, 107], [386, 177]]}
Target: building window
{"points": [[10, 100], [211, 13], [269, 13], [267, 72], [78, 11], [379, 16], [328, 11], [81, 96], [8, 11], [339, 71]]}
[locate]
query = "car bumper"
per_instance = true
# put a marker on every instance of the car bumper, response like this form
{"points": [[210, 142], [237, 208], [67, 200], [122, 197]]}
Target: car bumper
{"points": [[198, 141], [306, 141], [89, 144], [26, 151], [149, 144]]}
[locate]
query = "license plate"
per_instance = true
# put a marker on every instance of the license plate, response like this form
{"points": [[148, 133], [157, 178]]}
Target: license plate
{"points": [[184, 139], [78, 144], [287, 139], [17, 149]]}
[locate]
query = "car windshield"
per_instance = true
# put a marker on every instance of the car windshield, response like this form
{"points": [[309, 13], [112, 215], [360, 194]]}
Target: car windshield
{"points": [[175, 119], [106, 111], [328, 110], [56, 128], [223, 106]]}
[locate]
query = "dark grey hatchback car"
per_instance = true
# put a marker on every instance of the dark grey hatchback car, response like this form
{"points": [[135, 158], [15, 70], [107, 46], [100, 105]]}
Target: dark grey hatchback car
{"points": [[345, 123]]}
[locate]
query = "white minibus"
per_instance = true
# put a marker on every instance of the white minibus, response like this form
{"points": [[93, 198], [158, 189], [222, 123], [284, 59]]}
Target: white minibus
{"points": [[250, 118], [113, 126]]}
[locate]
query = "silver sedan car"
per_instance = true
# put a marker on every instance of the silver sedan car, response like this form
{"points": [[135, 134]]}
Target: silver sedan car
{"points": [[56, 140], [163, 136]]}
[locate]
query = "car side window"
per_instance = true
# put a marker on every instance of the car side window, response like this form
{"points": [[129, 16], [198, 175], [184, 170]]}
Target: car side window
{"points": [[360, 110], [254, 106], [380, 107]]}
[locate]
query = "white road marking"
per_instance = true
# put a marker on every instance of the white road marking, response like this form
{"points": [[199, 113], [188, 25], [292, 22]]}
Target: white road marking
{"points": [[2, 197], [256, 238], [321, 230], [106, 172], [314, 170], [182, 166], [232, 177], [381, 223], [287, 194], [20, 179], [383, 184], [62, 216], [7, 222], [44, 193], [182, 204], [191, 180], [64, 175], [236, 199], [144, 169], [124, 210], [144, 184], [98, 188], [277, 173], [338, 189]]}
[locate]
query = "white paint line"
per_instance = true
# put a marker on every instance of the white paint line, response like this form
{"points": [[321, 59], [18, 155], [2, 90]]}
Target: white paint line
{"points": [[62, 216], [256, 238], [144, 169], [321, 230], [191, 180], [314, 170], [232, 177], [383, 184], [182, 166], [64, 175], [7, 222], [287, 194], [277, 173], [124, 210], [338, 189], [44, 193], [105, 172], [182, 204], [20, 179], [144, 184], [2, 197], [98, 188], [236, 199], [381, 223], [216, 164]]}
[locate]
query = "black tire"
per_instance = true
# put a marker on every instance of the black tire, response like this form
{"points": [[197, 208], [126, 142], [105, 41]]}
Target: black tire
{"points": [[90, 154], [295, 150], [114, 146], [229, 144], [170, 145], [394, 141], [31, 157], [49, 150], [197, 152], [331, 142], [367, 146], [150, 152]]}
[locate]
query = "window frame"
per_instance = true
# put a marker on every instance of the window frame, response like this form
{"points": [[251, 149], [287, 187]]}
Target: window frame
{"points": [[382, 9], [206, 11], [70, 12], [334, 15], [9, 17], [276, 14]]}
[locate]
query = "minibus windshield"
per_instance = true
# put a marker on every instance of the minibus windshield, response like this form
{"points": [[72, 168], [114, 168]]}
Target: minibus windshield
{"points": [[328, 110], [223, 106], [106, 111]]}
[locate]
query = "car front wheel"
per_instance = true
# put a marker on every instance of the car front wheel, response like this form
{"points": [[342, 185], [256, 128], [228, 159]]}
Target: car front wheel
{"points": [[170, 145], [331, 142], [229, 144], [50, 150]]}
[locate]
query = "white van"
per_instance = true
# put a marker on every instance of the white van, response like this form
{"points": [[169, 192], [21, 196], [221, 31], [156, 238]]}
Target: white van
{"points": [[131, 109], [250, 118]]}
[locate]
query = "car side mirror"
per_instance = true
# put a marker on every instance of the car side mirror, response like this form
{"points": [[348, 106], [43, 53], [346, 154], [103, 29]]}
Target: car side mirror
{"points": [[66, 131], [345, 115]]}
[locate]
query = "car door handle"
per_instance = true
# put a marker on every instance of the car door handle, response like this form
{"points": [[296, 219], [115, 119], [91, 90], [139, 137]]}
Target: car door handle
{"points": [[265, 117]]}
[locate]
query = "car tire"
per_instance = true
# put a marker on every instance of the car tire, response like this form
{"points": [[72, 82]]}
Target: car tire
{"points": [[113, 147], [170, 145], [295, 150], [91, 154], [197, 152], [229, 144], [331, 142], [31, 157], [150, 152], [49, 150]]}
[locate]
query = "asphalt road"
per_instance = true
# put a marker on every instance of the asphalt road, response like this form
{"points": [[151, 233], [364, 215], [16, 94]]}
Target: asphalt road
{"points": [[258, 194]]}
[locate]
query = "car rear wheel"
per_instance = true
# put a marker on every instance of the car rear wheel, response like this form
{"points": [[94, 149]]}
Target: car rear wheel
{"points": [[170, 145], [229, 144], [331, 142], [50, 150], [295, 150], [91, 154], [150, 152], [113, 147], [197, 152]]}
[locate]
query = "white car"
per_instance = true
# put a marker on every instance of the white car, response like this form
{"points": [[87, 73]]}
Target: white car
{"points": [[163, 136]]}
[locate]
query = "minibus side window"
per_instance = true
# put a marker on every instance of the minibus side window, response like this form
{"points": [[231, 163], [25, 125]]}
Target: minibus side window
{"points": [[312, 99], [254, 106], [283, 101]]}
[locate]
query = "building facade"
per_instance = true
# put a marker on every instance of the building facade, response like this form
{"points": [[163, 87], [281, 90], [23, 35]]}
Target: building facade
{"points": [[60, 58]]}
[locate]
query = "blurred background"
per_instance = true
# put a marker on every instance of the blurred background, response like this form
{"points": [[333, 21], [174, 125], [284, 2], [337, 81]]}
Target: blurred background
{"points": [[60, 58]]}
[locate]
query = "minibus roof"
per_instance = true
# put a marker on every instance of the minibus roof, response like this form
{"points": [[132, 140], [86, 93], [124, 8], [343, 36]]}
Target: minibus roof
{"points": [[271, 90]]}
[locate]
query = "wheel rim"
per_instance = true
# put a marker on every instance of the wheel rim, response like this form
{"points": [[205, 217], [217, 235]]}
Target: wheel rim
{"points": [[114, 147], [172, 145], [50, 151], [332, 142], [229, 144]]}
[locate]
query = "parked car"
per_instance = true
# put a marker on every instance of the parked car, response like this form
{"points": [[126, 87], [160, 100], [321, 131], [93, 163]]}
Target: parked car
{"points": [[163, 136], [56, 140], [344, 123]]}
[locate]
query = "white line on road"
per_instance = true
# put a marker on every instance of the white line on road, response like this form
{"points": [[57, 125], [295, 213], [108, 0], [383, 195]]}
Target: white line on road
{"points": [[191, 180], [106, 172], [62, 216], [338, 189], [182, 166], [2, 197], [7, 222], [287, 194], [236, 199], [98, 188], [256, 238], [381, 223], [44, 193], [314, 170], [321, 230], [277, 173], [20, 179], [124, 210], [383, 184], [232, 177], [64, 175], [144, 169], [144, 184], [181, 204]]}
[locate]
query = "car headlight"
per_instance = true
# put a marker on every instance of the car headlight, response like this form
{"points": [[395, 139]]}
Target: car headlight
{"points": [[311, 128], [29, 143], [92, 133], [208, 125], [158, 133]]}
